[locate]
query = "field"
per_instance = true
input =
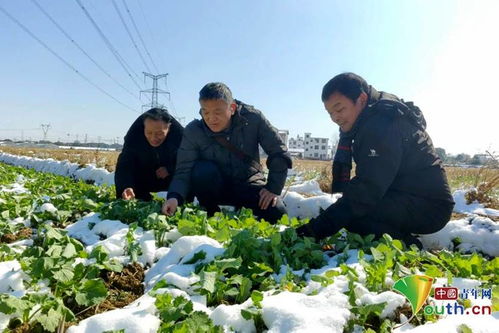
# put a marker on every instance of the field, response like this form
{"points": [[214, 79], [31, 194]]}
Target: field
{"points": [[310, 169], [73, 258]]}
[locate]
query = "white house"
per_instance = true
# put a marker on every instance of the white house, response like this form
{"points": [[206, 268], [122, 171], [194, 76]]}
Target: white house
{"points": [[316, 148]]}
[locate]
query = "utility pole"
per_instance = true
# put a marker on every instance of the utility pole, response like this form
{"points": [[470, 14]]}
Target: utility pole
{"points": [[45, 129], [155, 90]]}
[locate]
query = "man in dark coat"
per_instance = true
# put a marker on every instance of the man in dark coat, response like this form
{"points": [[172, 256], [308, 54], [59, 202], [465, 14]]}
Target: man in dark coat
{"points": [[400, 186], [219, 158], [149, 155]]}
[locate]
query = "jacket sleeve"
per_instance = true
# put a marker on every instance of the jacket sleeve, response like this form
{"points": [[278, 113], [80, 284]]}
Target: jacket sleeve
{"points": [[125, 170], [278, 160], [379, 153], [187, 155]]}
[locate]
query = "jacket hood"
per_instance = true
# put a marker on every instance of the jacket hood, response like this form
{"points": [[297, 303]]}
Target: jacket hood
{"points": [[380, 100]]}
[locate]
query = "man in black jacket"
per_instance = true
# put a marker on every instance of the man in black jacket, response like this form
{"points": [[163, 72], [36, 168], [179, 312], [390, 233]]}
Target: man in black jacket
{"points": [[400, 186], [149, 154], [219, 160]]}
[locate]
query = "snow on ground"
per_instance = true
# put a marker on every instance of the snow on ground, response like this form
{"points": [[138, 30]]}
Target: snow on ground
{"points": [[172, 268], [316, 309], [137, 317], [476, 234], [450, 324], [473, 208], [17, 187], [296, 312], [111, 234], [12, 278], [62, 168], [229, 316]]}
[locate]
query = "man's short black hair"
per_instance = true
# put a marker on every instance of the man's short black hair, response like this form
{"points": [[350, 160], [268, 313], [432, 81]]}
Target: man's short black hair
{"points": [[157, 114], [349, 85], [216, 90]]}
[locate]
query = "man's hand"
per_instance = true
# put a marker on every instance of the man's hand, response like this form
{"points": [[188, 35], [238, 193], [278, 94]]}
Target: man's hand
{"points": [[267, 198], [128, 194], [170, 206], [162, 173]]}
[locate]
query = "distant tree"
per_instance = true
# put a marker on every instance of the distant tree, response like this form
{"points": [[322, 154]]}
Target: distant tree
{"points": [[441, 153], [476, 160], [463, 158]]}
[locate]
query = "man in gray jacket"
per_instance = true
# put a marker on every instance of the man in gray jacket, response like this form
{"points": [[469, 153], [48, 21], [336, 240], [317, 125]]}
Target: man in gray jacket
{"points": [[218, 160]]}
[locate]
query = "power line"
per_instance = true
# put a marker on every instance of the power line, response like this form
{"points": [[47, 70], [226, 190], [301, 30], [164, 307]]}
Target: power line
{"points": [[152, 36], [81, 49], [138, 33], [62, 59], [118, 57], [130, 35]]}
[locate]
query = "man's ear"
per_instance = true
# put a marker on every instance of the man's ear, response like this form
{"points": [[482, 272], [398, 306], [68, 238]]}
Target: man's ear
{"points": [[363, 99], [233, 108]]}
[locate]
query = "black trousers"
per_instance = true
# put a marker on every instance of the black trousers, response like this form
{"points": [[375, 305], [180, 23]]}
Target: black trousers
{"points": [[213, 189], [400, 215]]}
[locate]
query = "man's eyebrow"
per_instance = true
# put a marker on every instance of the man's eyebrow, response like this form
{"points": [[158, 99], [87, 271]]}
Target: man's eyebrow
{"points": [[335, 105]]}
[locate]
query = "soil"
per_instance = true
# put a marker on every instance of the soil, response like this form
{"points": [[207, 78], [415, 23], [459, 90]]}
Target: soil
{"points": [[24, 233], [123, 288]]}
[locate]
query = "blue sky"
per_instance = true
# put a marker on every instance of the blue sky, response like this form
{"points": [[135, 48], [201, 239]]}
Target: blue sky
{"points": [[273, 54]]}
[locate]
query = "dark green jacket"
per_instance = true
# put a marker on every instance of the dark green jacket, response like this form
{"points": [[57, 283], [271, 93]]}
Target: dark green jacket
{"points": [[248, 129]]}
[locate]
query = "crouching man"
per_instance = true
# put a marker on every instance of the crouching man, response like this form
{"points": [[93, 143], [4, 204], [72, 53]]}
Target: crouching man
{"points": [[219, 161], [400, 186]]}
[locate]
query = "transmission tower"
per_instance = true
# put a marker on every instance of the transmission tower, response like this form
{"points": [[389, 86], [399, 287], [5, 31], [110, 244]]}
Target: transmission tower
{"points": [[45, 129], [154, 91]]}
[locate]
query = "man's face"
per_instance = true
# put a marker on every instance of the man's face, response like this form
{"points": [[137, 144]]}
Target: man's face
{"points": [[343, 111], [217, 113], [155, 131]]}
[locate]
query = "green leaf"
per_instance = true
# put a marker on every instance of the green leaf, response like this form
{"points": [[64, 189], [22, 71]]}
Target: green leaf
{"points": [[69, 251], [10, 304], [463, 328], [257, 298], [50, 321], [93, 292], [64, 274], [208, 280], [224, 264]]}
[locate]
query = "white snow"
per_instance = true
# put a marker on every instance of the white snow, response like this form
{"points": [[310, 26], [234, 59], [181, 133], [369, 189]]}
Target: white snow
{"points": [[316, 309], [11, 278], [300, 206], [62, 168], [309, 187], [171, 267], [296, 312], [229, 316], [393, 301], [473, 208], [137, 317], [450, 324], [479, 234], [48, 207]]}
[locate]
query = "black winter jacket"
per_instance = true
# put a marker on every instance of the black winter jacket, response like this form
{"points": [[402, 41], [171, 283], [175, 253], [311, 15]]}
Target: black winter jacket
{"points": [[248, 129], [138, 162], [392, 152]]}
